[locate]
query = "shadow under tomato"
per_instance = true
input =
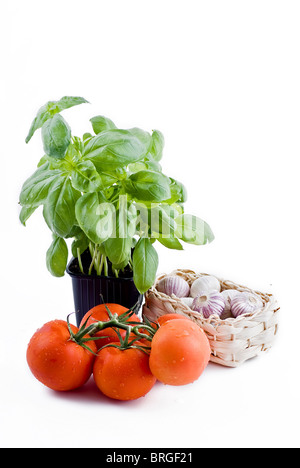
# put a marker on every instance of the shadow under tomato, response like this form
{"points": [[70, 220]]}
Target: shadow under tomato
{"points": [[90, 394]]}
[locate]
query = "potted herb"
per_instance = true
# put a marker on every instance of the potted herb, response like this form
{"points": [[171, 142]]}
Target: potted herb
{"points": [[106, 191]]}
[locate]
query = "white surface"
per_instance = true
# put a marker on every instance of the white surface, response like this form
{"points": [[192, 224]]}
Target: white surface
{"points": [[221, 81]]}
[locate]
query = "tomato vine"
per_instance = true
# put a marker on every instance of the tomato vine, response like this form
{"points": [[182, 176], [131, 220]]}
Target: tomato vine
{"points": [[117, 322]]}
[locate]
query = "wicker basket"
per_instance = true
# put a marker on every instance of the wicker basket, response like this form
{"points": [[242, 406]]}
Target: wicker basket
{"points": [[234, 340]]}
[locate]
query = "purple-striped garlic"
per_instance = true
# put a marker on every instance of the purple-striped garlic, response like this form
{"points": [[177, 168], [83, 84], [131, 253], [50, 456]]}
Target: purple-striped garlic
{"points": [[245, 303], [188, 301], [173, 285], [228, 295], [209, 303], [205, 284]]}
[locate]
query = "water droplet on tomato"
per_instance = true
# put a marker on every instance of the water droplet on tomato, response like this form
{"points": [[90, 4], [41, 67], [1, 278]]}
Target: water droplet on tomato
{"points": [[182, 334]]}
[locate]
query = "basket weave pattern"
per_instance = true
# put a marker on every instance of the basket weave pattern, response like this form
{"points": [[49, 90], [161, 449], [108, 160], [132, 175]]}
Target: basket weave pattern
{"points": [[234, 340]]}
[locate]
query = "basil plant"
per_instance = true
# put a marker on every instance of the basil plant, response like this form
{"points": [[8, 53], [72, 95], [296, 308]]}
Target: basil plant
{"points": [[107, 192]]}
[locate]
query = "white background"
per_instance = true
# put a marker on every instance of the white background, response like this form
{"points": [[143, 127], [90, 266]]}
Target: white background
{"points": [[221, 80]]}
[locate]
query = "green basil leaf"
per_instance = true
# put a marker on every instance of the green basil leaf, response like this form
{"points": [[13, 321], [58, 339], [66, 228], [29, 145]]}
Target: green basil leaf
{"points": [[42, 116], [143, 218], [145, 265], [35, 190], [111, 192], [137, 167], [118, 250], [47, 111], [78, 145], [157, 147], [26, 212], [162, 224], [95, 217], [173, 210], [87, 136], [75, 232], [126, 218], [101, 124], [72, 157], [144, 137], [171, 243], [121, 266], [42, 161], [57, 257], [56, 135], [152, 165], [67, 102], [193, 230], [107, 180], [81, 242], [114, 149], [59, 209], [85, 178], [148, 186], [178, 192], [47, 162], [118, 246], [158, 220]]}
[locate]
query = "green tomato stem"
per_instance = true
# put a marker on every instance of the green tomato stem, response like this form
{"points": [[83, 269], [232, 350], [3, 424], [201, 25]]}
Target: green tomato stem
{"points": [[96, 327], [115, 322]]}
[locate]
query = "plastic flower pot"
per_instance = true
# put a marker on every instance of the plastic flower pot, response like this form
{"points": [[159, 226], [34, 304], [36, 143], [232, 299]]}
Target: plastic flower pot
{"points": [[90, 291]]}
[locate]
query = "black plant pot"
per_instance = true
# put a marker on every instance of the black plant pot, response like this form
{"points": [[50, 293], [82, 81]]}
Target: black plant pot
{"points": [[90, 291]]}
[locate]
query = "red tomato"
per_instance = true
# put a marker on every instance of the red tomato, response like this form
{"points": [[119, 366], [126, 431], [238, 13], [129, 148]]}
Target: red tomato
{"points": [[57, 362], [167, 317], [159, 322], [180, 352], [123, 374], [99, 314], [144, 331]]}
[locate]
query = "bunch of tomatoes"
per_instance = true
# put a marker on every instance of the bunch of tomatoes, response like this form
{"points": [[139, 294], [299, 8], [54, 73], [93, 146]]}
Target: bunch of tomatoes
{"points": [[124, 355]]}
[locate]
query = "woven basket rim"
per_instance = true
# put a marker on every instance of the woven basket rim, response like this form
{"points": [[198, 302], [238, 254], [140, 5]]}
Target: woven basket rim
{"points": [[267, 298]]}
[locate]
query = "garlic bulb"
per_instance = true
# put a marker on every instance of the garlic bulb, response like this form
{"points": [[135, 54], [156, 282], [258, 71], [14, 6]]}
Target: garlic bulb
{"points": [[245, 303], [205, 284], [174, 285], [188, 301], [209, 303], [228, 295]]}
